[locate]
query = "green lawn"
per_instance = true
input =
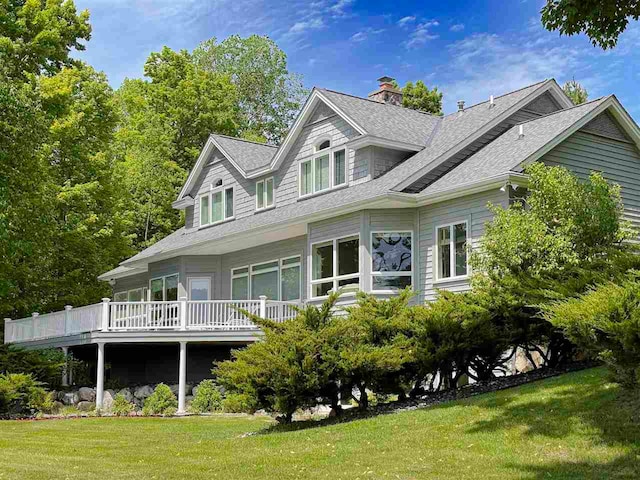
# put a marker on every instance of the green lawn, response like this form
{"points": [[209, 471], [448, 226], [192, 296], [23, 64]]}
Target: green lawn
{"points": [[574, 426]]}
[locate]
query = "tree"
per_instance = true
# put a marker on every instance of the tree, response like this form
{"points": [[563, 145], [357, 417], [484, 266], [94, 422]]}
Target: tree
{"points": [[37, 36], [576, 92], [419, 97], [601, 20], [269, 95]]}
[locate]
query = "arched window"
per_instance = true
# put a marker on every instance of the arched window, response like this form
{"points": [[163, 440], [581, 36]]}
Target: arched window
{"points": [[217, 183], [322, 145]]}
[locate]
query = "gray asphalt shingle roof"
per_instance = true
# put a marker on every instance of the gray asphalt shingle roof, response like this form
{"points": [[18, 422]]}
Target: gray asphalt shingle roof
{"points": [[383, 120], [249, 155], [439, 135], [508, 151]]}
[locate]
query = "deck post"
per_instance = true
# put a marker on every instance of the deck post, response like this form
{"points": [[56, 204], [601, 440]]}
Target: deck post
{"points": [[183, 313], [182, 377], [263, 306], [105, 314], [100, 376], [67, 314], [65, 369]]}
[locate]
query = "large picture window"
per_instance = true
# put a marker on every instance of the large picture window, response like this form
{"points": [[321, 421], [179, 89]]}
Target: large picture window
{"points": [[199, 288], [216, 206], [391, 260], [164, 288], [325, 170], [451, 250], [335, 264], [276, 279]]}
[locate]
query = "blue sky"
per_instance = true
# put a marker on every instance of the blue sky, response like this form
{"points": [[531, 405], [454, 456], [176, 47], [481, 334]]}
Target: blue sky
{"points": [[469, 49]]}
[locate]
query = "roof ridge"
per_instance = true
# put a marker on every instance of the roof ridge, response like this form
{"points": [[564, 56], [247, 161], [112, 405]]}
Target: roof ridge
{"points": [[379, 103], [244, 140], [563, 110], [503, 95]]}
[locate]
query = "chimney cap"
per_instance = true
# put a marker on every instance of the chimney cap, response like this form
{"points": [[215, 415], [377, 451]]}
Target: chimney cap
{"points": [[460, 105], [386, 79]]}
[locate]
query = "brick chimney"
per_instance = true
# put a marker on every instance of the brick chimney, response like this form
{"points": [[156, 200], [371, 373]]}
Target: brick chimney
{"points": [[387, 93]]}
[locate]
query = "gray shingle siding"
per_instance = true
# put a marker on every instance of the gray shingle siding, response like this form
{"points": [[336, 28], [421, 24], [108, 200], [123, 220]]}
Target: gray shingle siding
{"points": [[618, 162], [605, 125], [473, 209], [321, 112], [385, 159]]}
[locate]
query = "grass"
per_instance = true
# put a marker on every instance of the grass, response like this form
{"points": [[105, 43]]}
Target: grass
{"points": [[576, 426]]}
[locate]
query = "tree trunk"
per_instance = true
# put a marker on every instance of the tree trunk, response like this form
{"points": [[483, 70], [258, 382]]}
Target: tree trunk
{"points": [[363, 403]]}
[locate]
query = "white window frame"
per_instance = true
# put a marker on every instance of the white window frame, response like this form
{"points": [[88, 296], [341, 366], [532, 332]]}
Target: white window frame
{"points": [[265, 205], [207, 279], [142, 291], [392, 274], [279, 269], [317, 154], [212, 191], [164, 285], [335, 278], [124, 292], [291, 265], [452, 253]]}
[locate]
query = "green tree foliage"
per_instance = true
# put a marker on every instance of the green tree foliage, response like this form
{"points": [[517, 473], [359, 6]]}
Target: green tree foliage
{"points": [[45, 366], [601, 20], [606, 323], [419, 97], [270, 96], [576, 92]]}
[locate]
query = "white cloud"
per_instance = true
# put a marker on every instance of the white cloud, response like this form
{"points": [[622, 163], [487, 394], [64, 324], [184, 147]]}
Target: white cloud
{"points": [[340, 7], [458, 27], [303, 27], [404, 21], [421, 34], [363, 35]]}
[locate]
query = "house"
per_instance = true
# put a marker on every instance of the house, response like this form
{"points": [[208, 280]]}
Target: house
{"points": [[362, 194]]}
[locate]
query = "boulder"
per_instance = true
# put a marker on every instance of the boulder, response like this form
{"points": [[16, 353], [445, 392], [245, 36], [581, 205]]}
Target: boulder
{"points": [[126, 393], [143, 392], [187, 389], [107, 399], [71, 398], [85, 406], [87, 394], [57, 407]]}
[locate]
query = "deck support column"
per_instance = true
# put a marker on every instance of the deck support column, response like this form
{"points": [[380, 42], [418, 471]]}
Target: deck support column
{"points": [[182, 377], [65, 369], [100, 376]]}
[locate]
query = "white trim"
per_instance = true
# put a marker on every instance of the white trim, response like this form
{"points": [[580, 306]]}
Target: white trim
{"points": [[335, 278], [452, 252], [297, 126], [209, 194], [297, 264], [191, 279], [164, 285], [331, 153], [370, 140], [392, 274], [278, 268]]}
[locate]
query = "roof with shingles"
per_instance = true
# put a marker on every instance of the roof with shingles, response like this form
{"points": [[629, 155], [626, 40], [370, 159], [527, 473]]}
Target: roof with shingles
{"points": [[247, 154]]}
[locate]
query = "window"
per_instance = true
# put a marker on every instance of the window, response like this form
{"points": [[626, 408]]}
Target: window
{"points": [[120, 297], [199, 288], [216, 205], [264, 194], [164, 288], [325, 170], [391, 260], [451, 250], [276, 279], [135, 295], [335, 264]]}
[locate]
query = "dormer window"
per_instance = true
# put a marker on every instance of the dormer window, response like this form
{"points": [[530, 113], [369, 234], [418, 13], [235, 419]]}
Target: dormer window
{"points": [[264, 193], [216, 205], [325, 170]]}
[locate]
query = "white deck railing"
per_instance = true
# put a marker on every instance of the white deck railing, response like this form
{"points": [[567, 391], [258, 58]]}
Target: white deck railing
{"points": [[209, 315]]}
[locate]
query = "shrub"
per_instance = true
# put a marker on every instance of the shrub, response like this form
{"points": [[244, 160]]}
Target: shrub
{"points": [[238, 403], [208, 398], [21, 395], [605, 322], [161, 402], [121, 406]]}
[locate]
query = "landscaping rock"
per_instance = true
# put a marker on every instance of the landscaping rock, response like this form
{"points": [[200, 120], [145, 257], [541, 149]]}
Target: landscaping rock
{"points": [[126, 393], [57, 407], [71, 398], [85, 406], [188, 389], [143, 392], [107, 399], [87, 394]]}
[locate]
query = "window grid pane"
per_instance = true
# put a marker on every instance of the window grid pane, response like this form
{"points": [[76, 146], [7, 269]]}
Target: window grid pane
{"points": [[260, 194], [460, 236], [216, 207], [391, 252], [228, 203], [348, 256], [204, 210], [321, 173], [339, 168], [291, 283], [322, 261], [306, 182], [240, 288], [171, 287], [269, 191]]}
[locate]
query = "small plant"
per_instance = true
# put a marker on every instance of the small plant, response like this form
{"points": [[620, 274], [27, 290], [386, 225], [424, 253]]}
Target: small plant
{"points": [[208, 398], [161, 402], [238, 403], [121, 406], [70, 410], [21, 395]]}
